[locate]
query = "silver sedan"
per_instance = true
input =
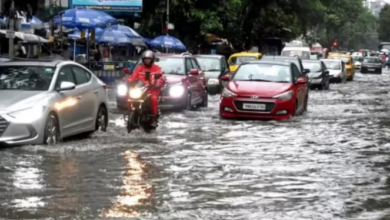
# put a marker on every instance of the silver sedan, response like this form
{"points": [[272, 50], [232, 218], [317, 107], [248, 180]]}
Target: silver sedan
{"points": [[45, 101]]}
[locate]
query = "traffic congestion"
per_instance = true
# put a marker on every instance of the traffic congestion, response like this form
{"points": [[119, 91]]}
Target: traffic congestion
{"points": [[308, 143]]}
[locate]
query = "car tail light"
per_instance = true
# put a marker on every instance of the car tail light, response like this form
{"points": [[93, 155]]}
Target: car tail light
{"points": [[105, 86]]}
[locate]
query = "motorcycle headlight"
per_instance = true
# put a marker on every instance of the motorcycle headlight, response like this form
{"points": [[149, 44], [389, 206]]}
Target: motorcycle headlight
{"points": [[227, 93], [28, 115], [135, 93], [284, 96], [121, 90], [213, 81], [176, 91]]}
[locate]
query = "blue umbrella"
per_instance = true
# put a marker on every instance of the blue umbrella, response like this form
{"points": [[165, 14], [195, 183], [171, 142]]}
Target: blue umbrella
{"points": [[77, 34], [168, 42], [113, 37], [84, 18], [128, 31]]}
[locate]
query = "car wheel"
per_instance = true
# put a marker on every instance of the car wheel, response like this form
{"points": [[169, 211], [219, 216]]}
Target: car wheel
{"points": [[101, 119], [205, 102], [52, 131], [189, 106]]}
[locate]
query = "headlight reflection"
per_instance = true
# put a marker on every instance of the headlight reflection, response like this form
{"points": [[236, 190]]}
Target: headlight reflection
{"points": [[135, 193]]}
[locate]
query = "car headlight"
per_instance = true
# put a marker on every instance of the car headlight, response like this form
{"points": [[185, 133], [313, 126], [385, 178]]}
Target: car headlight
{"points": [[121, 90], [227, 93], [284, 96], [28, 115], [213, 81], [176, 91], [135, 93]]}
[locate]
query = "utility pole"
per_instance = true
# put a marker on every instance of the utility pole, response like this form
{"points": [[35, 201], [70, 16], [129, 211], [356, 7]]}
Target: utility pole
{"points": [[11, 32], [167, 24]]}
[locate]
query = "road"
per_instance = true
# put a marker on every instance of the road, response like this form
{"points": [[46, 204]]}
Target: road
{"points": [[331, 163]]}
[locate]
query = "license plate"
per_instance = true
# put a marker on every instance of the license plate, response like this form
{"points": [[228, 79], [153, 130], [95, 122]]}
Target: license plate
{"points": [[371, 69], [254, 106]]}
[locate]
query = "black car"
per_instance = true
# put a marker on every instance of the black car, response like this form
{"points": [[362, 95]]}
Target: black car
{"points": [[371, 65], [214, 67], [319, 75]]}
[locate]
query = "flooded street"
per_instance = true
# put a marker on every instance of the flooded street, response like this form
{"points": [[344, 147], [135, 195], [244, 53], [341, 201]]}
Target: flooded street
{"points": [[331, 163]]}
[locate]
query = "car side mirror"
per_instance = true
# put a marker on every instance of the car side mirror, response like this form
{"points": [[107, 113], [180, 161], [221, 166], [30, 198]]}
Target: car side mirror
{"points": [[301, 81], [194, 72], [225, 77], [157, 76], [65, 86], [306, 71]]}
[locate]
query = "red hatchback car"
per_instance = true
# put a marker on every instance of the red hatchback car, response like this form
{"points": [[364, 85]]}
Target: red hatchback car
{"points": [[265, 90]]}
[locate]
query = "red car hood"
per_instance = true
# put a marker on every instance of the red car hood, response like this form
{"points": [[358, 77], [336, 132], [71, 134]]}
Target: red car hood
{"points": [[262, 89], [171, 79]]}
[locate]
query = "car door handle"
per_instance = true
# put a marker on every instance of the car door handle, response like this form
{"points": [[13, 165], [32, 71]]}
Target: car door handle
{"points": [[79, 97], [96, 91]]}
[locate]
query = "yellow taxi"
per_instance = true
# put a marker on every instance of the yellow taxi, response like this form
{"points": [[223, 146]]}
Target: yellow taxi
{"points": [[347, 60], [236, 59]]}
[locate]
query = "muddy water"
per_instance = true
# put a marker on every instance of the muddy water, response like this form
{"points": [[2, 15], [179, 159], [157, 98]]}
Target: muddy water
{"points": [[331, 163]]}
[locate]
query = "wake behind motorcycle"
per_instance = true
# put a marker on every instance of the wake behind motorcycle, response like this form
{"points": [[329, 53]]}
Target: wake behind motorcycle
{"points": [[139, 114]]}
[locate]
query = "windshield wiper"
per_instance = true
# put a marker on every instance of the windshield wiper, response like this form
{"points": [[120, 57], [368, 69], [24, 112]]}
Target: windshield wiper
{"points": [[213, 70], [259, 80], [175, 73]]}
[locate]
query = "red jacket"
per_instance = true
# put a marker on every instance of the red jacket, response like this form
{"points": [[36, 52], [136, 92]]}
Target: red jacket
{"points": [[139, 74]]}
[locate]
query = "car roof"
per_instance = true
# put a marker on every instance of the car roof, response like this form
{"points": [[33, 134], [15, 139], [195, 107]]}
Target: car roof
{"points": [[166, 55], [334, 60], [209, 55], [245, 53], [31, 62], [278, 62], [279, 57], [311, 61]]}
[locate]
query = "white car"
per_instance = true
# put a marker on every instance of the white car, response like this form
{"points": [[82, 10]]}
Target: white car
{"points": [[337, 71], [43, 101]]}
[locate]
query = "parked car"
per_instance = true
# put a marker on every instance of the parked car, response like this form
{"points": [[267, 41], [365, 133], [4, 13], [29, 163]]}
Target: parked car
{"points": [[43, 101], [371, 65], [337, 71], [185, 87], [319, 75], [236, 59], [214, 67], [265, 90]]}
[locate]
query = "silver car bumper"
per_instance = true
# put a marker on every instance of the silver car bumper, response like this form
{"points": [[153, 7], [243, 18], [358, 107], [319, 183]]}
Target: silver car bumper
{"points": [[16, 132]]}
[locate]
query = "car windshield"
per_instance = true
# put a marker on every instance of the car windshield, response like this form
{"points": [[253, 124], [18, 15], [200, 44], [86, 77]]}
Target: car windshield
{"points": [[371, 60], [171, 65], [294, 60], [35, 78], [299, 53], [313, 67], [209, 64], [263, 73], [357, 59], [241, 59], [332, 65], [345, 60]]}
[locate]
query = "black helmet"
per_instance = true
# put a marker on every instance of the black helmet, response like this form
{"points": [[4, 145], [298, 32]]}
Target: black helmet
{"points": [[148, 54]]}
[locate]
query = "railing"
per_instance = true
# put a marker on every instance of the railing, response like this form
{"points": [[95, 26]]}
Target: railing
{"points": [[110, 72]]}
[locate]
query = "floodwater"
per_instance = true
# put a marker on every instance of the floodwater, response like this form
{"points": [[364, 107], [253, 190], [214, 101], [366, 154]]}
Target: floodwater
{"points": [[331, 163]]}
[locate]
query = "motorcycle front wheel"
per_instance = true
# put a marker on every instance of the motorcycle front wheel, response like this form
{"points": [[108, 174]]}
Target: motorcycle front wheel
{"points": [[130, 122]]}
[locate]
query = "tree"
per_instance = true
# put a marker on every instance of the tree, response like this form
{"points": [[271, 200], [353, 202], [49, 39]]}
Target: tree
{"points": [[384, 21]]}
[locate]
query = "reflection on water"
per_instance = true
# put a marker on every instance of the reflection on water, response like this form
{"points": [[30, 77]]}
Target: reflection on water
{"points": [[27, 177], [136, 194]]}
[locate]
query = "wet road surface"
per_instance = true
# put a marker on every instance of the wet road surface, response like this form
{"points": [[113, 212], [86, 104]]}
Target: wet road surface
{"points": [[331, 163]]}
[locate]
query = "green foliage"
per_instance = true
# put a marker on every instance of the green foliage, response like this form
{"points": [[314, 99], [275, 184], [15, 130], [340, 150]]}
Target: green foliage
{"points": [[384, 24], [248, 22]]}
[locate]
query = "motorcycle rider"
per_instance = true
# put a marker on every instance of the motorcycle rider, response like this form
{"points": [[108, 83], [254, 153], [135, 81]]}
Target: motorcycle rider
{"points": [[148, 58]]}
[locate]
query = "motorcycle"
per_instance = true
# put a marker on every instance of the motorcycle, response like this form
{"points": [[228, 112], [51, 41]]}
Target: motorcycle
{"points": [[139, 113]]}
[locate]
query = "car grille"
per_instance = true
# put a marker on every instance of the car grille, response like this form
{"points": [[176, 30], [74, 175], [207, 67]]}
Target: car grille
{"points": [[3, 125], [268, 106]]}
